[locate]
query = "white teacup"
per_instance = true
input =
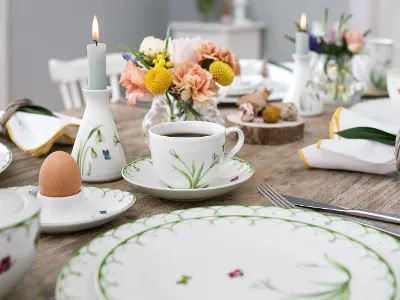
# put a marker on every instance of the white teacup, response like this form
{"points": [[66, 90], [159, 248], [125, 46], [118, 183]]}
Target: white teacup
{"points": [[190, 162], [372, 66], [393, 85]]}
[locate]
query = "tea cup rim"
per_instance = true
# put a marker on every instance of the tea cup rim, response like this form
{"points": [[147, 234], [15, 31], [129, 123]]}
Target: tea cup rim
{"points": [[153, 132]]}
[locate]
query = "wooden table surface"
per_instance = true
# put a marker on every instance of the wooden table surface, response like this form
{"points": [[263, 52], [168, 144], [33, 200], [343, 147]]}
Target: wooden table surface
{"points": [[279, 166]]}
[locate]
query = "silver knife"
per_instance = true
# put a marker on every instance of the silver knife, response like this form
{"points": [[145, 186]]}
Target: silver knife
{"points": [[351, 212]]}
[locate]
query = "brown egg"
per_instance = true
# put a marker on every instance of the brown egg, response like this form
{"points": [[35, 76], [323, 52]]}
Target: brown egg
{"points": [[59, 175]]}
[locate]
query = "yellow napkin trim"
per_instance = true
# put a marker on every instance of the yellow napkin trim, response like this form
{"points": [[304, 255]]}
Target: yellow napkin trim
{"points": [[45, 147], [335, 121], [303, 158]]}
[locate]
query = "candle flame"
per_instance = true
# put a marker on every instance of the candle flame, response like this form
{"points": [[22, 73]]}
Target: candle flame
{"points": [[303, 22], [95, 29]]}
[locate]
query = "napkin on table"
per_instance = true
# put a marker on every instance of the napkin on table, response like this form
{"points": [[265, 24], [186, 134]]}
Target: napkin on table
{"points": [[351, 154], [36, 133]]}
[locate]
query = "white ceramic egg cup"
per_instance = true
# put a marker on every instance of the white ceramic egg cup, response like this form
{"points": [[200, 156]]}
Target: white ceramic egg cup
{"points": [[91, 207], [97, 148]]}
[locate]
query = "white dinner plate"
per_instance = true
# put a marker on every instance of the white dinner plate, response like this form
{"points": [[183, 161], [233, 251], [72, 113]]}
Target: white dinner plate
{"points": [[235, 252], [5, 157], [142, 175], [278, 91]]}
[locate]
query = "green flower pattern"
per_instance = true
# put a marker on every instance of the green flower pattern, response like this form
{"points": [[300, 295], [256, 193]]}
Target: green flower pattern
{"points": [[340, 290], [194, 174], [83, 151], [73, 272]]}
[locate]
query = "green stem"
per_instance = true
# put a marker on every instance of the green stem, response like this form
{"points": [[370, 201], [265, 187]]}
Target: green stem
{"points": [[190, 172], [171, 107], [84, 158], [201, 177]]}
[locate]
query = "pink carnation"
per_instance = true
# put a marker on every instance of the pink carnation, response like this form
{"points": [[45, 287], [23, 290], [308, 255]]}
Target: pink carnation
{"points": [[354, 40], [193, 81], [209, 50], [132, 78]]}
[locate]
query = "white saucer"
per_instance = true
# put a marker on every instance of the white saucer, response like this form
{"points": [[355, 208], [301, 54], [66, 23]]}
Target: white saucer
{"points": [[5, 157], [141, 174], [108, 204]]}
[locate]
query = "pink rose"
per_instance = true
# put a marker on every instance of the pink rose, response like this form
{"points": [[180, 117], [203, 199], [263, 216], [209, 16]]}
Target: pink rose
{"points": [[132, 78], [354, 40], [184, 49]]}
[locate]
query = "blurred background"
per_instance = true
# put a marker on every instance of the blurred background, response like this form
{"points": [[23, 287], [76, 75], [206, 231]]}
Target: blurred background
{"points": [[32, 32]]}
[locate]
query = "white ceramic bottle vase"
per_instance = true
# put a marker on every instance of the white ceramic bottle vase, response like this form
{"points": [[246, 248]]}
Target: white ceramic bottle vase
{"points": [[97, 149], [301, 76]]}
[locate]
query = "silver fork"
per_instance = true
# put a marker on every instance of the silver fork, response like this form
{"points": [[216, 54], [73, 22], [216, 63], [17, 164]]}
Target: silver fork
{"points": [[276, 199]]}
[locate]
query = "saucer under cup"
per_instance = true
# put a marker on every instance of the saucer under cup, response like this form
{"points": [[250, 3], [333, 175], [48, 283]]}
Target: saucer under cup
{"points": [[190, 162]]}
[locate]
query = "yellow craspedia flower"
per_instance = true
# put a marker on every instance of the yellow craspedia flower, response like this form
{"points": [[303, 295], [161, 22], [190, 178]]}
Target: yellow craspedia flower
{"points": [[222, 73], [158, 80], [168, 64]]}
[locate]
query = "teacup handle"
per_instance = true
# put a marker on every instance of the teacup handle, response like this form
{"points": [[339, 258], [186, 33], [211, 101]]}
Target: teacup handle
{"points": [[238, 145]]}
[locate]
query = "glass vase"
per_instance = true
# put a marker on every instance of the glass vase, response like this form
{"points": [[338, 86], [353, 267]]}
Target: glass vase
{"points": [[333, 82], [165, 110]]}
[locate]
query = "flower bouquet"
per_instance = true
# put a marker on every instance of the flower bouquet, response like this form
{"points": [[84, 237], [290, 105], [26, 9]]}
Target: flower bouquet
{"points": [[184, 73], [332, 75]]}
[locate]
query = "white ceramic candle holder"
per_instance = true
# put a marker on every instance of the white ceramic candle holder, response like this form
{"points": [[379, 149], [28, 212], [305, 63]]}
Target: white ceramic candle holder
{"points": [[97, 149], [300, 91]]}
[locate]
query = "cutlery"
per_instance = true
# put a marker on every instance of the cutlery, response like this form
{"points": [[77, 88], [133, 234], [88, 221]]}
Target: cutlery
{"points": [[290, 202], [352, 211]]}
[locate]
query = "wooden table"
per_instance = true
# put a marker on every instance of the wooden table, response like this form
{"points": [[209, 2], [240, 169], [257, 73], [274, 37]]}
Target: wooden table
{"points": [[279, 166]]}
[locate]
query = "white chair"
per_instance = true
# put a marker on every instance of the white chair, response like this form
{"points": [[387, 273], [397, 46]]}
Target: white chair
{"points": [[72, 75]]}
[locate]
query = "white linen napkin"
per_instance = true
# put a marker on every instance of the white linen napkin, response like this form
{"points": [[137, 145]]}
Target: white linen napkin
{"points": [[351, 154], [36, 134]]}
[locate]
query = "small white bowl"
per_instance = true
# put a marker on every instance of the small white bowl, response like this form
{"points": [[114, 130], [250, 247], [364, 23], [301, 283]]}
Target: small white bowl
{"points": [[19, 234], [393, 85]]}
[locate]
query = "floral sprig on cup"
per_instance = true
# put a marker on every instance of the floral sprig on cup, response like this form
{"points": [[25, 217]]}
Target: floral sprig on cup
{"points": [[338, 41], [185, 70]]}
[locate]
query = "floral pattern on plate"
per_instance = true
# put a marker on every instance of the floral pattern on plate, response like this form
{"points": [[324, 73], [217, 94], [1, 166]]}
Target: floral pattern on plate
{"points": [[76, 278]]}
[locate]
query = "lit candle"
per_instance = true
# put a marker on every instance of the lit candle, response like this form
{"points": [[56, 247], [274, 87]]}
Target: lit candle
{"points": [[302, 37], [96, 54]]}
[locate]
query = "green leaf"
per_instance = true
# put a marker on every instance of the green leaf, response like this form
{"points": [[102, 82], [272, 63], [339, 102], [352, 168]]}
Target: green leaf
{"points": [[198, 177], [325, 20], [289, 38], [369, 133], [193, 168], [137, 54], [34, 109], [93, 131], [378, 82], [184, 174], [167, 38], [297, 25], [367, 32], [78, 159]]}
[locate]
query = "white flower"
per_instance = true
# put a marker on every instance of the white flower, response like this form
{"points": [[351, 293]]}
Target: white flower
{"points": [[184, 49], [152, 45]]}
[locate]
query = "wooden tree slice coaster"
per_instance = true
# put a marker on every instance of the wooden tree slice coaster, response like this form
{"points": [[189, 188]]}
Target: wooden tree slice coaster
{"points": [[261, 133]]}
